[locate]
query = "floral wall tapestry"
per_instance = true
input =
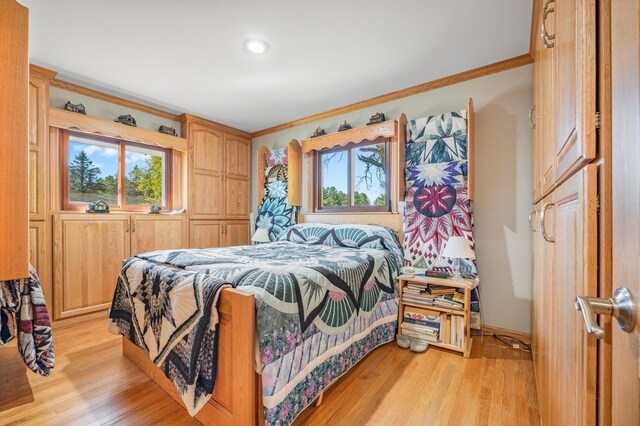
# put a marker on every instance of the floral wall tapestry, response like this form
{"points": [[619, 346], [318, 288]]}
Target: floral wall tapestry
{"points": [[274, 212], [437, 205]]}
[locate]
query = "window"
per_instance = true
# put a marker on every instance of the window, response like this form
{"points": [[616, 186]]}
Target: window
{"points": [[353, 177], [126, 175]]}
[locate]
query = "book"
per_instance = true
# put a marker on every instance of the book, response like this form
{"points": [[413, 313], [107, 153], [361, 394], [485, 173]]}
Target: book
{"points": [[440, 289], [423, 323], [431, 331], [418, 335]]}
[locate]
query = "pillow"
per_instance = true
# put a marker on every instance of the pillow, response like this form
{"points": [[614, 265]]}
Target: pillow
{"points": [[277, 156], [354, 236]]}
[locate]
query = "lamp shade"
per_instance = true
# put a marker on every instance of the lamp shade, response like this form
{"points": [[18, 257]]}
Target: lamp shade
{"points": [[261, 236], [458, 248]]}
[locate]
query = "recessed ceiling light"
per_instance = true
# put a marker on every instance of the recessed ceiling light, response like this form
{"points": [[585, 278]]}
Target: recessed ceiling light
{"points": [[256, 46]]}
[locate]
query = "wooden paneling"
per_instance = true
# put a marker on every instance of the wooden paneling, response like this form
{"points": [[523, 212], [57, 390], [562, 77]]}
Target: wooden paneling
{"points": [[294, 151], [14, 137], [237, 198], [574, 84], [625, 126], [573, 384], [158, 232], [206, 197], [237, 233], [38, 137], [496, 67], [38, 251], [207, 150], [88, 251], [96, 126], [206, 166], [205, 234], [237, 177]]}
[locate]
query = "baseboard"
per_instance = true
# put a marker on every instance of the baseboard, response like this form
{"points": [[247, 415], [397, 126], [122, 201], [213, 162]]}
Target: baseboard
{"points": [[488, 330]]}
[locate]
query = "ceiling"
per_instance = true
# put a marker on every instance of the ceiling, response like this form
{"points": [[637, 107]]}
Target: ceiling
{"points": [[188, 56]]}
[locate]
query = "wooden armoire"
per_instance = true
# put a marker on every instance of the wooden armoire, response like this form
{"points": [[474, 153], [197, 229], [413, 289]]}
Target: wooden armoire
{"points": [[570, 218], [219, 182]]}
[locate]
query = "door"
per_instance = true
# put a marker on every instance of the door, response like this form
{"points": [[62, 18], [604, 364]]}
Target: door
{"points": [[625, 97], [205, 234], [206, 199], [88, 250], [157, 232], [569, 228], [237, 177], [236, 233], [574, 83]]}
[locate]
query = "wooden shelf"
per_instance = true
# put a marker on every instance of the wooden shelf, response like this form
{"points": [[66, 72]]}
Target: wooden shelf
{"points": [[465, 284], [434, 308]]}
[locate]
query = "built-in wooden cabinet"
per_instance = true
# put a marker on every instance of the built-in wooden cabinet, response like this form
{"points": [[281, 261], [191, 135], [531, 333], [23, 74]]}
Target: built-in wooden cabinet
{"points": [[38, 131], [564, 217], [219, 171], [14, 155], [158, 232], [87, 253], [211, 234], [88, 250]]}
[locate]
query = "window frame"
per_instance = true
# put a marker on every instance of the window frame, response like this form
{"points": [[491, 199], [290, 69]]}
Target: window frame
{"points": [[122, 144], [350, 148]]}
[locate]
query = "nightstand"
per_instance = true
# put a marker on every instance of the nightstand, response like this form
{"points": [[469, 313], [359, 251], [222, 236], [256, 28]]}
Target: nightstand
{"points": [[455, 324]]}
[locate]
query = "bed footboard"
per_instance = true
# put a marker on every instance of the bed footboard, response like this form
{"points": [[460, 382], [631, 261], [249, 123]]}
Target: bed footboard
{"points": [[235, 398]]}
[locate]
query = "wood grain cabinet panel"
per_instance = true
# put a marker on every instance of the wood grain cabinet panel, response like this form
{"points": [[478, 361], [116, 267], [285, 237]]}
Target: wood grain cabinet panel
{"points": [[207, 150], [574, 75], [205, 234], [38, 107], [38, 250], [237, 202], [157, 232], [237, 233], [237, 157], [14, 136], [88, 251]]}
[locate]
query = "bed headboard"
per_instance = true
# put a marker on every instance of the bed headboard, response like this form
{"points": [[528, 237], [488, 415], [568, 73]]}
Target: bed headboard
{"points": [[392, 220]]}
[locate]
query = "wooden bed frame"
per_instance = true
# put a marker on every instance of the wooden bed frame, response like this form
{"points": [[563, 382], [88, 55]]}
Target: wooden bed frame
{"points": [[237, 397]]}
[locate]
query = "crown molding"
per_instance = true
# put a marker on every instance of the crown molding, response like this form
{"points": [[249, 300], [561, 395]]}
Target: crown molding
{"points": [[494, 68]]}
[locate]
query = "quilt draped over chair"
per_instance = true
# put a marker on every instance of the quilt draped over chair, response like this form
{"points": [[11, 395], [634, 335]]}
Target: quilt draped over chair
{"points": [[274, 212], [437, 205]]}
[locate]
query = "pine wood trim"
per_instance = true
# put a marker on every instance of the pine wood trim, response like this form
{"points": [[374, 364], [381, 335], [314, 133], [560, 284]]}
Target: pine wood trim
{"points": [[96, 126], [535, 21], [81, 90], [295, 173], [470, 150], [485, 70], [210, 123], [42, 72], [386, 129]]}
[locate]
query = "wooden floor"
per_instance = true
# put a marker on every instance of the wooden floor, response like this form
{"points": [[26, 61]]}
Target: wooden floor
{"points": [[94, 384]]}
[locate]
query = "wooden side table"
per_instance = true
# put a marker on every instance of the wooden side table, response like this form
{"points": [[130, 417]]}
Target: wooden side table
{"points": [[466, 284]]}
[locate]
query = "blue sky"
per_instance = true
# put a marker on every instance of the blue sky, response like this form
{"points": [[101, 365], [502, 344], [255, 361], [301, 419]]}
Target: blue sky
{"points": [[335, 174], [105, 156]]}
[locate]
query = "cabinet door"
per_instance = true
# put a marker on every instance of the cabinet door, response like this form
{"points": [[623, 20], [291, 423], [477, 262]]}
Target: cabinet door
{"points": [[574, 50], [38, 257], [546, 117], [88, 254], [237, 177], [205, 234], [157, 232], [237, 233], [572, 388], [206, 194], [14, 161], [38, 104]]}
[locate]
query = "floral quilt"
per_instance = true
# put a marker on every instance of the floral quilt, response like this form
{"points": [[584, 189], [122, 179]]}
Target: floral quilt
{"points": [[325, 297], [437, 205], [274, 212]]}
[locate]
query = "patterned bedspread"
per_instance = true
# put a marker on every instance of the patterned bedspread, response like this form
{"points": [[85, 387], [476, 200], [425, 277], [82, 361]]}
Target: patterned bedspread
{"points": [[325, 297]]}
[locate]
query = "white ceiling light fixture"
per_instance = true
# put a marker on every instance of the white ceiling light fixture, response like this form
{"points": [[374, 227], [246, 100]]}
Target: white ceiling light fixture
{"points": [[255, 46]]}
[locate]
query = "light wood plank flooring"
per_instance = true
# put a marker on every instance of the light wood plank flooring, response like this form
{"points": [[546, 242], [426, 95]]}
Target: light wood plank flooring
{"points": [[94, 384]]}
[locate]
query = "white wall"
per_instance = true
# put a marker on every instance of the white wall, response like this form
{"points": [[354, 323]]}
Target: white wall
{"points": [[503, 180], [107, 110]]}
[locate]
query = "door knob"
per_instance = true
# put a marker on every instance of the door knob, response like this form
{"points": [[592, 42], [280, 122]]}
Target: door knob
{"points": [[620, 306]]}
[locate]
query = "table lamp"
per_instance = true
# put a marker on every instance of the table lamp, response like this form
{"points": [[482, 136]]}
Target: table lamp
{"points": [[458, 248], [261, 236]]}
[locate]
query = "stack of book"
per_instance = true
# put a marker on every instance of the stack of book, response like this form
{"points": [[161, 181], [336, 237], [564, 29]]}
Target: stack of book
{"points": [[417, 293], [450, 301], [421, 324]]}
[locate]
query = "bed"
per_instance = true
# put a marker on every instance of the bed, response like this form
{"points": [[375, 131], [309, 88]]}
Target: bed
{"points": [[293, 316]]}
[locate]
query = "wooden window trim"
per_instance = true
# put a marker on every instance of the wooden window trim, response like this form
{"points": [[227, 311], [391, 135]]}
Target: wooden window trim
{"points": [[349, 148], [122, 144]]}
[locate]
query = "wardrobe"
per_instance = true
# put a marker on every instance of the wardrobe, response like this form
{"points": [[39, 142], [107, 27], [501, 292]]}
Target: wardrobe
{"points": [[571, 203], [14, 203], [219, 178]]}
